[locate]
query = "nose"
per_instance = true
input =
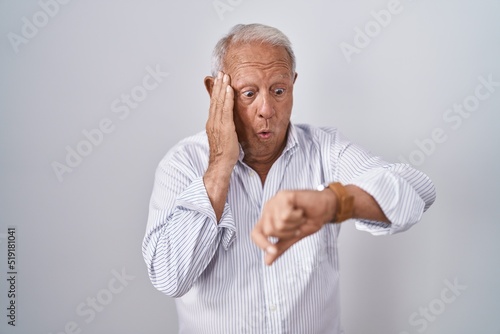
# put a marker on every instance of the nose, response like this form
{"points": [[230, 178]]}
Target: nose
{"points": [[266, 109]]}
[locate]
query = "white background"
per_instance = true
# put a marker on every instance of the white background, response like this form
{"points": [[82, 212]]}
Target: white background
{"points": [[74, 234]]}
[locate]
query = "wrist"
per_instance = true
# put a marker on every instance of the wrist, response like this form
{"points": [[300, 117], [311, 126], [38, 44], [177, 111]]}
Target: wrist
{"points": [[217, 176], [331, 204], [220, 168], [343, 207]]}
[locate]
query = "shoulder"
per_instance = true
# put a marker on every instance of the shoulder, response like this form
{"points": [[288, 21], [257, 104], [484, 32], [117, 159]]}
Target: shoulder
{"points": [[327, 141], [321, 135], [192, 150]]}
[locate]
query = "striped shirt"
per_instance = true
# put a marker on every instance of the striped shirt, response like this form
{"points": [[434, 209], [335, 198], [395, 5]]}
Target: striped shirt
{"points": [[215, 271]]}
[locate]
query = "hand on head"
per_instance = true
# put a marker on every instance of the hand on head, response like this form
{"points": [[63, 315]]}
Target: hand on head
{"points": [[221, 131]]}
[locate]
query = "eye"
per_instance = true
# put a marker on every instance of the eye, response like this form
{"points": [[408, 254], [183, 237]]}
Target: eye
{"points": [[279, 91], [248, 93]]}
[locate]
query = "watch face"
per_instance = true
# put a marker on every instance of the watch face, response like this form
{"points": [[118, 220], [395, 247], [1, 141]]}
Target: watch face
{"points": [[322, 187]]}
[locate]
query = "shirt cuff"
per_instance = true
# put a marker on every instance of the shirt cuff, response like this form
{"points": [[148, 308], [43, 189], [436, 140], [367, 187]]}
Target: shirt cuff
{"points": [[396, 197], [195, 198]]}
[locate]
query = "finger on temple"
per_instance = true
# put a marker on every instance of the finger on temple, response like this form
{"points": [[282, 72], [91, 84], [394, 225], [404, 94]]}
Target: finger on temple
{"points": [[227, 109], [218, 86], [216, 98]]}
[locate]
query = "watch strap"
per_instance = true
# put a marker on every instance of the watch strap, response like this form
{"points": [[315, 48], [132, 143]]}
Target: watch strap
{"points": [[345, 202]]}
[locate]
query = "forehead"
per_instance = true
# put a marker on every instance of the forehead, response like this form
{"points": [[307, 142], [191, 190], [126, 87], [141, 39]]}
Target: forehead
{"points": [[249, 58]]}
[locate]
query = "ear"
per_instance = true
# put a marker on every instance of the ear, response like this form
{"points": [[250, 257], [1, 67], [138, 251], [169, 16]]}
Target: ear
{"points": [[209, 84], [295, 77]]}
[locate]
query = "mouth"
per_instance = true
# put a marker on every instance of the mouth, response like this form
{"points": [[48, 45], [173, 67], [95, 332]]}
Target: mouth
{"points": [[266, 134]]}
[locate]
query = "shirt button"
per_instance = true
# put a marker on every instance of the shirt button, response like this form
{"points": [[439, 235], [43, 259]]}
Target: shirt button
{"points": [[272, 307]]}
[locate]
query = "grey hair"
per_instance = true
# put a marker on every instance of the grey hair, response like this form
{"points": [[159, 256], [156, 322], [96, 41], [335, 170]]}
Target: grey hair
{"points": [[246, 33]]}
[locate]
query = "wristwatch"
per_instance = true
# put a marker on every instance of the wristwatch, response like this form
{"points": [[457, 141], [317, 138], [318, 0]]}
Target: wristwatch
{"points": [[345, 202]]}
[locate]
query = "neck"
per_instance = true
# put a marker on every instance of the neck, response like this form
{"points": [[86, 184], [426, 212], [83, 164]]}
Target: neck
{"points": [[261, 169], [262, 165]]}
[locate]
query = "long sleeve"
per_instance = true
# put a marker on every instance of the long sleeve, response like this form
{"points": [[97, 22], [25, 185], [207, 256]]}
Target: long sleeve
{"points": [[402, 192], [182, 235], [216, 269]]}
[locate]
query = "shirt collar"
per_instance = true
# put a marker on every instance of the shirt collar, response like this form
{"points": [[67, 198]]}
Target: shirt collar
{"points": [[292, 143]]}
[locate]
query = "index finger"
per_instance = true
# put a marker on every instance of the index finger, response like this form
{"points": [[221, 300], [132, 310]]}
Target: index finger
{"points": [[227, 108], [215, 98], [281, 246], [261, 240]]}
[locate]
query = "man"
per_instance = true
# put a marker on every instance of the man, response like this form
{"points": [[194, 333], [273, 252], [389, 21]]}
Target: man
{"points": [[237, 230]]}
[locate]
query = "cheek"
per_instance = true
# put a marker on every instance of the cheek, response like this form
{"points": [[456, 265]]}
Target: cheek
{"points": [[285, 108], [243, 112], [241, 119]]}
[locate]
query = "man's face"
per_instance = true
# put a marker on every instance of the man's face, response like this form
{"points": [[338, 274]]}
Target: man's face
{"points": [[261, 76]]}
